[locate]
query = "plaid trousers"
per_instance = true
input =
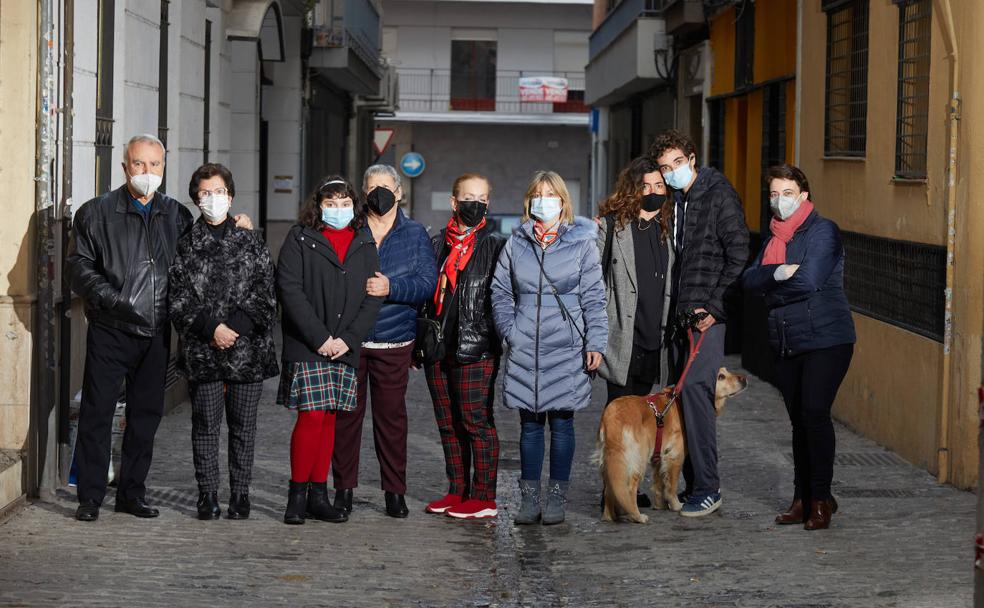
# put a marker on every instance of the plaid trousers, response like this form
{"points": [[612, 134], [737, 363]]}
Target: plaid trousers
{"points": [[208, 400], [462, 395]]}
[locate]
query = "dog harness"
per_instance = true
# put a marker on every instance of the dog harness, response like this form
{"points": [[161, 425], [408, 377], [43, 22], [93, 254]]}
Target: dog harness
{"points": [[651, 400]]}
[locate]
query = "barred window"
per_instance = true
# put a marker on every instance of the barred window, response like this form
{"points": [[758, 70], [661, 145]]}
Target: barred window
{"points": [[912, 120], [846, 117]]}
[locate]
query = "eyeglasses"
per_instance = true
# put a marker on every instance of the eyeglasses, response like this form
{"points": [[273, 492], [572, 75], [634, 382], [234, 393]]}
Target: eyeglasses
{"points": [[217, 192]]}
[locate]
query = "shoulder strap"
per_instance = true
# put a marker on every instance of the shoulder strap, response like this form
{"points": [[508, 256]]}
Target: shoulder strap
{"points": [[556, 294], [606, 258]]}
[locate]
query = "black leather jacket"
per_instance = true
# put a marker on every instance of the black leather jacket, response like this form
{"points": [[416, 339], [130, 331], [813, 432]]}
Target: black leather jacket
{"points": [[475, 331], [118, 260]]}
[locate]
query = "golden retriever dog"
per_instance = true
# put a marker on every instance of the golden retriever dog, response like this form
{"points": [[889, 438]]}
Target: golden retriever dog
{"points": [[626, 441]]}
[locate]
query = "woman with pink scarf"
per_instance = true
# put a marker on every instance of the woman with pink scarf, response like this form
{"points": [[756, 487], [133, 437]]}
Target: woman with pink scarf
{"points": [[800, 275]]}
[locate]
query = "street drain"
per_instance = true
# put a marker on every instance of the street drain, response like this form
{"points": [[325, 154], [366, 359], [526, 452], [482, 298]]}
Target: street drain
{"points": [[863, 459], [877, 493]]}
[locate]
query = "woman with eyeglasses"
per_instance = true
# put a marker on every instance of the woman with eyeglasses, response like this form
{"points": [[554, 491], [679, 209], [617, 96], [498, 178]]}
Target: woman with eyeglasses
{"points": [[548, 302], [222, 303], [637, 261], [322, 270], [800, 275], [461, 377]]}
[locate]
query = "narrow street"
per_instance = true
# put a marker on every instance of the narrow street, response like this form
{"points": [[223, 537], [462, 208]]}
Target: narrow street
{"points": [[899, 538]]}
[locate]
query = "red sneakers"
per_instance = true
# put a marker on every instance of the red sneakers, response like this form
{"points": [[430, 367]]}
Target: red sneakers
{"points": [[441, 505], [474, 509]]}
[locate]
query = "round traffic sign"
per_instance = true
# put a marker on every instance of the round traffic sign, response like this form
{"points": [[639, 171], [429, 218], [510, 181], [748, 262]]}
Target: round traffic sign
{"points": [[412, 164]]}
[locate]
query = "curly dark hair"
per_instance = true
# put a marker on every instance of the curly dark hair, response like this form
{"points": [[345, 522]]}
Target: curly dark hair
{"points": [[207, 171], [669, 140], [333, 186], [790, 172], [625, 201]]}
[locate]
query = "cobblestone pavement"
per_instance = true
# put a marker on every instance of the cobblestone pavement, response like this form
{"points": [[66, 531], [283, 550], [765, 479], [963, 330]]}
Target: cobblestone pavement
{"points": [[898, 540]]}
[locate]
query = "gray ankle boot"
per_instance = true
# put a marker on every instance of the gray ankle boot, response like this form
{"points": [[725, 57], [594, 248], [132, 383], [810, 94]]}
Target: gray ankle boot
{"points": [[556, 499], [529, 508]]}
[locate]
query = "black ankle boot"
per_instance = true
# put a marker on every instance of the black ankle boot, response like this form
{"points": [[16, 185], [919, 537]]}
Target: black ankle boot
{"points": [[343, 500], [239, 506], [208, 506], [318, 506], [296, 503]]}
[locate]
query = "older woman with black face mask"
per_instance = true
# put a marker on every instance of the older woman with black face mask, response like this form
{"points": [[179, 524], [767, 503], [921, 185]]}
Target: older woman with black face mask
{"points": [[461, 370], [222, 303], [406, 278], [800, 275]]}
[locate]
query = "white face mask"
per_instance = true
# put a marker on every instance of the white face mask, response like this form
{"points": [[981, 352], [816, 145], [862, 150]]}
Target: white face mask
{"points": [[545, 208], [215, 207], [146, 184], [785, 206]]}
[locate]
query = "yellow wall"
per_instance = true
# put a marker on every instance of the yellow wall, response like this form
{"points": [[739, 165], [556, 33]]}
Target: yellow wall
{"points": [[722, 34], [18, 91], [894, 391], [775, 39], [774, 57]]}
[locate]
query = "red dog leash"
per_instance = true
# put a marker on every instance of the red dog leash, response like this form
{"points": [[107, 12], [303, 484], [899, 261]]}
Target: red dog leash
{"points": [[674, 395]]}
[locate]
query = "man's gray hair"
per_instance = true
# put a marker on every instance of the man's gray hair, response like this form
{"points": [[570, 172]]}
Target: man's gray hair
{"points": [[380, 170], [144, 138]]}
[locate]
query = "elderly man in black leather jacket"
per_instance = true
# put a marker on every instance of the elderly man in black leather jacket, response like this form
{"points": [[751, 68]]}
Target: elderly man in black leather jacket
{"points": [[121, 249]]}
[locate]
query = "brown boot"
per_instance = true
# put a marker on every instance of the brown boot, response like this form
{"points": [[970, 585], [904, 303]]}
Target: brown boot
{"points": [[820, 512], [793, 515]]}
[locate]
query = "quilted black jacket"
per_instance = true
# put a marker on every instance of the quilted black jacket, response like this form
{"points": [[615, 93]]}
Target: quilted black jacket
{"points": [[715, 245], [215, 277]]}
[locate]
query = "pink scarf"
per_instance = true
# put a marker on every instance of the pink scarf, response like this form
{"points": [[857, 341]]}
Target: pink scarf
{"points": [[782, 233]]}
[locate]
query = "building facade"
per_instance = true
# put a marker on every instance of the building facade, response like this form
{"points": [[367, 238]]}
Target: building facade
{"points": [[459, 66], [280, 91]]}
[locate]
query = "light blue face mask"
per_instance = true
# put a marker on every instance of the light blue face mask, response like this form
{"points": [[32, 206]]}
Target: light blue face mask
{"points": [[679, 178], [337, 217], [545, 208]]}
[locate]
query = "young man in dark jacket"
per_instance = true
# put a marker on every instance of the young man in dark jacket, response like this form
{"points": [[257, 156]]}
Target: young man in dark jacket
{"points": [[711, 242], [122, 246], [461, 382]]}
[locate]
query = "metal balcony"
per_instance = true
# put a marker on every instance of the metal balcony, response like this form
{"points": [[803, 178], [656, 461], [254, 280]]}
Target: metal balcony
{"points": [[430, 90], [619, 19], [346, 43]]}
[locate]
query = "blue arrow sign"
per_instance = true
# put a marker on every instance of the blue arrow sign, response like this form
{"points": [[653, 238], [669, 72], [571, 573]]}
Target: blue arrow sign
{"points": [[412, 164]]}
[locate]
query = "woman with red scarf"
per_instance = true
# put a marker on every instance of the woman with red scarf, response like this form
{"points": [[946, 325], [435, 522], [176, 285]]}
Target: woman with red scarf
{"points": [[800, 274], [461, 382]]}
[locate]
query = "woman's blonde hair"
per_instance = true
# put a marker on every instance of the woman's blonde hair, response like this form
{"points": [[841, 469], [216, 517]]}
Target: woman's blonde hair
{"points": [[556, 184]]}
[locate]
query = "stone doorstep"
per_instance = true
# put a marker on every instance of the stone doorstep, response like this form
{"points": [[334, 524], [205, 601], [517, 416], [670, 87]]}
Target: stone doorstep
{"points": [[11, 481]]}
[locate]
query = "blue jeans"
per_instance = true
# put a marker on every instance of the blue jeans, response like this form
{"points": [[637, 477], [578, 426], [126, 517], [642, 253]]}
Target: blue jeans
{"points": [[561, 444]]}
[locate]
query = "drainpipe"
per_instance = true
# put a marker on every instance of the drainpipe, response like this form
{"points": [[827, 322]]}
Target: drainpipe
{"points": [[65, 309], [799, 80], [950, 38], [39, 466]]}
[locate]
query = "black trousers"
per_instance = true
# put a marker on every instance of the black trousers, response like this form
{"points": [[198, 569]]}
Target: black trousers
{"points": [[111, 357], [643, 374], [809, 383]]}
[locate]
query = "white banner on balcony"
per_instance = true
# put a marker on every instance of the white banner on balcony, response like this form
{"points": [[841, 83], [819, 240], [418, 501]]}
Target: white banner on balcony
{"points": [[543, 89]]}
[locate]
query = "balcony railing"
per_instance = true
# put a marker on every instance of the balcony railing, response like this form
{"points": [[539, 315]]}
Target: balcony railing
{"points": [[429, 90], [619, 18]]}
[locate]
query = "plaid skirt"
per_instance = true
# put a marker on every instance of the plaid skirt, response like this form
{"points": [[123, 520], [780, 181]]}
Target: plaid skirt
{"points": [[307, 386]]}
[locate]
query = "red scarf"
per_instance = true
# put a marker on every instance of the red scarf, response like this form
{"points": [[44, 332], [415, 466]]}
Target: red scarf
{"points": [[460, 249], [543, 235], [782, 233]]}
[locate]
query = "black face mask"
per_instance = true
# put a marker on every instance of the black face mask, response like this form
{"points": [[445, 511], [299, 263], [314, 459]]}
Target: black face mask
{"points": [[380, 200], [653, 202], [471, 213]]}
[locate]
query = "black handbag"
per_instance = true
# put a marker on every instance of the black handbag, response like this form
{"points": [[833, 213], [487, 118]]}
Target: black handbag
{"points": [[429, 346]]}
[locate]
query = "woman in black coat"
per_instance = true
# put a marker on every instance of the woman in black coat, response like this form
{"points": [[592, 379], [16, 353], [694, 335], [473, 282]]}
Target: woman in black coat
{"points": [[323, 267], [222, 303], [800, 275]]}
